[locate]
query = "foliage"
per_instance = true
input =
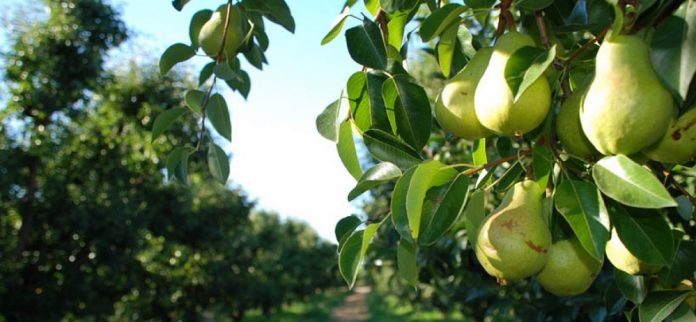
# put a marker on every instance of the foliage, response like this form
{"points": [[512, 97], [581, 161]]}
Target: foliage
{"points": [[90, 229], [584, 199]]}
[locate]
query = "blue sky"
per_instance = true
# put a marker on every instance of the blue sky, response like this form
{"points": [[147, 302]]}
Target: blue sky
{"points": [[278, 157]]}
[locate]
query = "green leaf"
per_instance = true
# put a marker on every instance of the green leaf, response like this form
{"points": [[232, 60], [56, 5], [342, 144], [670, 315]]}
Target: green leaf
{"points": [[447, 211], [479, 154], [224, 72], [674, 51], [381, 173], [219, 116], [386, 147], [366, 46], [346, 150], [427, 175], [683, 263], [526, 66], [446, 47], [218, 163], [372, 6], [644, 232], [366, 103], [480, 4], [411, 110], [165, 120], [241, 84], [206, 72], [179, 4], [542, 163], [178, 158], [327, 121], [197, 21], [394, 7], [194, 100], [255, 57], [398, 205], [173, 55], [633, 287], [406, 261], [581, 205], [336, 27], [276, 11], [659, 305], [683, 313], [396, 26], [439, 20], [533, 4], [510, 177], [344, 228], [474, 215], [353, 252], [627, 182]]}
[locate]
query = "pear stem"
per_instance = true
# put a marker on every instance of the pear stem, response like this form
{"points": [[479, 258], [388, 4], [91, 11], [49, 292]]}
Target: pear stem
{"points": [[505, 18]]}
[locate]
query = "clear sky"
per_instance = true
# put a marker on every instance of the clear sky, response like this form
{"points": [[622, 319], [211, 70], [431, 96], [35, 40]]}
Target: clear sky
{"points": [[278, 157]]}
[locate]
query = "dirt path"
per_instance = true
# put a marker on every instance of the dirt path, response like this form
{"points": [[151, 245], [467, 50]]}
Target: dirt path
{"points": [[354, 308]]}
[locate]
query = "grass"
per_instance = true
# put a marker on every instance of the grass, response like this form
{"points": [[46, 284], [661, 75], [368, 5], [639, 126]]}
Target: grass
{"points": [[389, 308], [315, 309]]}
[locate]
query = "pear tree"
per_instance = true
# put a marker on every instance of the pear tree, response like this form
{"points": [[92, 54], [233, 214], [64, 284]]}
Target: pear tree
{"points": [[560, 133]]}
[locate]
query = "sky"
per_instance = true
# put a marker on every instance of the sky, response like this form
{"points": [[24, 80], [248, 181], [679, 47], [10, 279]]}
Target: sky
{"points": [[278, 158]]}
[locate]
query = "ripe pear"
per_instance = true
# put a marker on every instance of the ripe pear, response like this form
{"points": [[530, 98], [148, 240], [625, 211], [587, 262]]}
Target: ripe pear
{"points": [[678, 145], [513, 242], [494, 101], [210, 36], [622, 259], [626, 108], [454, 107], [570, 269], [569, 130]]}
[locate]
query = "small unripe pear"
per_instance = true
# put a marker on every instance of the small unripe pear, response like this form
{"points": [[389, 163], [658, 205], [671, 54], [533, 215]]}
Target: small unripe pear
{"points": [[513, 242], [679, 143], [570, 269], [494, 101], [210, 36], [569, 130], [454, 107], [622, 259], [626, 108]]}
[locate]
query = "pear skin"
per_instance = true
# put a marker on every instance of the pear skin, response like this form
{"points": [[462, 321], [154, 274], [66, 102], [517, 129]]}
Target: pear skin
{"points": [[494, 102], [454, 107], [678, 145], [570, 270], [626, 108], [210, 36], [513, 242], [622, 259], [569, 130]]}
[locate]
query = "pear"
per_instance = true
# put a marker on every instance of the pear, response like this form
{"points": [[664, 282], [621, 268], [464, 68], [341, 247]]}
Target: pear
{"points": [[454, 107], [569, 130], [570, 270], [210, 36], [678, 145], [626, 108], [493, 101], [622, 259], [513, 242]]}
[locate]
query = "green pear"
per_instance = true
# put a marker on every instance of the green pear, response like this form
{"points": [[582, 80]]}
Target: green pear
{"points": [[622, 259], [678, 145], [454, 107], [626, 108], [494, 102], [513, 242], [210, 36], [569, 130], [570, 269]]}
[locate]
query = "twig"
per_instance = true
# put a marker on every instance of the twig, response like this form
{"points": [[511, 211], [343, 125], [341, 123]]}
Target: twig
{"points": [[496, 162], [505, 18], [381, 19], [587, 45], [675, 184], [546, 41]]}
